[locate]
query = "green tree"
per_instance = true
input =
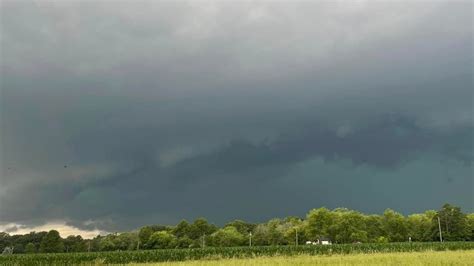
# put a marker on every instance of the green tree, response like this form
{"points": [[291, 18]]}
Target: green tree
{"points": [[201, 228], [18, 248], [94, 243], [4, 240], [276, 231], [470, 226], [227, 237], [52, 242], [420, 226], [348, 227], [126, 241], [261, 235], [75, 244], [293, 226], [243, 227], [184, 242], [30, 248], [181, 229], [373, 225], [107, 243], [144, 235], [394, 226], [453, 223], [318, 222], [162, 240]]}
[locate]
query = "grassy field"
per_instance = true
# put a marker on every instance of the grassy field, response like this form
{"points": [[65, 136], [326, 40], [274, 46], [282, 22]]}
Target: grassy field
{"points": [[398, 258], [302, 254]]}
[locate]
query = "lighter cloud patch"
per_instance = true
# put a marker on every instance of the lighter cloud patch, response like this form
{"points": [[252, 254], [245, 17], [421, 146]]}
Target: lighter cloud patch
{"points": [[344, 130], [92, 172], [63, 229], [173, 156]]}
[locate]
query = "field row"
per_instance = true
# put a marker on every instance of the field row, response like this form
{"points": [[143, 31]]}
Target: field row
{"points": [[229, 252]]}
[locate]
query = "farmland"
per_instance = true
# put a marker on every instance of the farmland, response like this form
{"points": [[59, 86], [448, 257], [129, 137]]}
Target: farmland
{"points": [[235, 254], [414, 258]]}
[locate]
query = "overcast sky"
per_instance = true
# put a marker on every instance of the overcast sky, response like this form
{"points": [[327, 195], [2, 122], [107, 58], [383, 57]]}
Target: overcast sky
{"points": [[117, 114]]}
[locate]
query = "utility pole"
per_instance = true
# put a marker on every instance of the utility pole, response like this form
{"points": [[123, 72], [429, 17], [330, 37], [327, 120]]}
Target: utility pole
{"points": [[250, 239], [138, 244], [439, 226], [203, 241]]}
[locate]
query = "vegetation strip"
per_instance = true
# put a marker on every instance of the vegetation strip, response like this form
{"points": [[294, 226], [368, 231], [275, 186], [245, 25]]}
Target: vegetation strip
{"points": [[120, 257]]}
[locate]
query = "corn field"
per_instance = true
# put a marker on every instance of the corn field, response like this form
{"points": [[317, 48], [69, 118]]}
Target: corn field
{"points": [[121, 257]]}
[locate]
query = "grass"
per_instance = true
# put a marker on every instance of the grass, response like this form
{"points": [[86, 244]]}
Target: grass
{"points": [[397, 258], [230, 254]]}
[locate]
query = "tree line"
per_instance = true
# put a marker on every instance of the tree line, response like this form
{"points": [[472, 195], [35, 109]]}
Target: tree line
{"points": [[340, 225]]}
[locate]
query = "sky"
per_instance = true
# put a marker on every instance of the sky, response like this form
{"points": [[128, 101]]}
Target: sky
{"points": [[119, 114]]}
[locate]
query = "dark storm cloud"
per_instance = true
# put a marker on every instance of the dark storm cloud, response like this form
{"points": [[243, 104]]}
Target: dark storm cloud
{"points": [[116, 115], [238, 175]]}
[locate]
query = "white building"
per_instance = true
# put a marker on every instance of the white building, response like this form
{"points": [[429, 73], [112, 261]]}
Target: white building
{"points": [[320, 241]]}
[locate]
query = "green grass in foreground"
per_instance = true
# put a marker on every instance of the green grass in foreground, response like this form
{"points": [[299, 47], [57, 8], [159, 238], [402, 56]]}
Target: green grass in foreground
{"points": [[413, 258], [168, 255]]}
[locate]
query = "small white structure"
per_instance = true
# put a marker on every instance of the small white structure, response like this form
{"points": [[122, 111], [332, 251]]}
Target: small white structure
{"points": [[325, 242], [321, 241]]}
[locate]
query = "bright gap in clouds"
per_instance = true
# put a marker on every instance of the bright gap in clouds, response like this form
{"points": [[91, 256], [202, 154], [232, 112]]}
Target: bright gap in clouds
{"points": [[63, 229]]}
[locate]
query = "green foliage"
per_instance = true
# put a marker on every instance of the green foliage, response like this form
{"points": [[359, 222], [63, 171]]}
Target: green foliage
{"points": [[339, 225], [30, 248], [261, 235], [243, 227], [200, 228], [373, 227], [470, 226], [453, 223], [394, 226], [348, 227], [164, 255], [184, 242], [293, 226], [144, 235], [162, 240], [181, 229], [94, 244], [227, 237], [52, 242], [420, 226], [107, 244], [127, 241], [75, 244], [318, 222], [276, 231]]}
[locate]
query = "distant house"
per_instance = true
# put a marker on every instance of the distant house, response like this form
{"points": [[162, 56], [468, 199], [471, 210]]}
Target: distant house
{"points": [[324, 241], [320, 241]]}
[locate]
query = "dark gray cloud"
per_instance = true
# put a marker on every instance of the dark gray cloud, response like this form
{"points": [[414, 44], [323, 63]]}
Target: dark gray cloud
{"points": [[120, 114]]}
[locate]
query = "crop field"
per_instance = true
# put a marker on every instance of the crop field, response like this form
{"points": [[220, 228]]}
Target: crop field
{"points": [[232, 253], [460, 257]]}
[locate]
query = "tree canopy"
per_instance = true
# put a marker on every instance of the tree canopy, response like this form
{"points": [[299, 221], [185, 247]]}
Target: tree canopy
{"points": [[339, 225]]}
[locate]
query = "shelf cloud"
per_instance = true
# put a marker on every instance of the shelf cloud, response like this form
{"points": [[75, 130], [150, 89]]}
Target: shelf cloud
{"points": [[120, 114]]}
